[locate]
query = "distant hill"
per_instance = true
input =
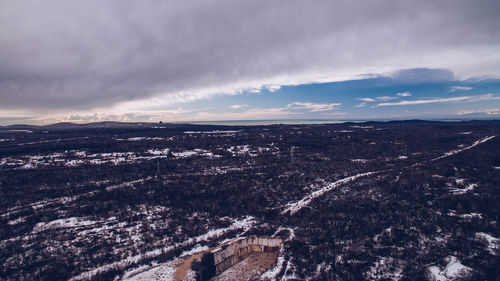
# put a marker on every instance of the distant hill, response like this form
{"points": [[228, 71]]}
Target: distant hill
{"points": [[104, 124]]}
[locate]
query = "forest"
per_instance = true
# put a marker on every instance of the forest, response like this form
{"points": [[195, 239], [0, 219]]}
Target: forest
{"points": [[400, 200]]}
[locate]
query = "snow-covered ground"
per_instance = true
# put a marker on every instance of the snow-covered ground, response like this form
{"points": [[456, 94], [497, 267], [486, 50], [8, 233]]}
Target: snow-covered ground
{"points": [[386, 268], [453, 213], [493, 243], [467, 188], [68, 199], [452, 271], [141, 139], [361, 160], [195, 152], [238, 224], [294, 207], [73, 158], [215, 132], [272, 273], [62, 223], [455, 151], [250, 150], [159, 151], [21, 131], [164, 272]]}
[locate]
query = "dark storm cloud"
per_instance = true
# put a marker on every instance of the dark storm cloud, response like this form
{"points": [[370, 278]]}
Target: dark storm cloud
{"points": [[84, 54]]}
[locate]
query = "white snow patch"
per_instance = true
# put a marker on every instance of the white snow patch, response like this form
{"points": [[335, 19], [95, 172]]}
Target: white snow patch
{"points": [[21, 131], [459, 191], [141, 138], [493, 242], [158, 151], [289, 271], [436, 274], [322, 267], [194, 152], [17, 221], [28, 166], [80, 153], [164, 272], [71, 163], [453, 213], [239, 149], [136, 138], [452, 271], [386, 268], [247, 149], [360, 160], [195, 250], [62, 223], [133, 272], [471, 215], [212, 132], [185, 154], [291, 232]]}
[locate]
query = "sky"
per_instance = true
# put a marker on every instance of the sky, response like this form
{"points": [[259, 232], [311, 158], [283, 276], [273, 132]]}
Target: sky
{"points": [[181, 61]]}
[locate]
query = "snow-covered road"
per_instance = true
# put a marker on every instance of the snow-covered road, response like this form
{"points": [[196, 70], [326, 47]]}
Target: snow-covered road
{"points": [[296, 206]]}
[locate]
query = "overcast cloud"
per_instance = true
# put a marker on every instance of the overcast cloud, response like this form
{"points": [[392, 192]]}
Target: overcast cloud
{"points": [[60, 55]]}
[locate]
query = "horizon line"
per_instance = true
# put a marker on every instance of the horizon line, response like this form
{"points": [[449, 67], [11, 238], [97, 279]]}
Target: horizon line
{"points": [[218, 122]]}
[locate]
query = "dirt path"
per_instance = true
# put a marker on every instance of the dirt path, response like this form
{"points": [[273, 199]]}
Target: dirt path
{"points": [[182, 269]]}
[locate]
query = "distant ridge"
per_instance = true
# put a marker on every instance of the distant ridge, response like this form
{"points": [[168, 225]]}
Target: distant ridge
{"points": [[124, 125], [104, 124]]}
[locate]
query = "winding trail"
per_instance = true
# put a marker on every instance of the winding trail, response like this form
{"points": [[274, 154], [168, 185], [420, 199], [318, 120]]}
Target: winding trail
{"points": [[292, 208], [296, 206], [455, 151], [68, 199]]}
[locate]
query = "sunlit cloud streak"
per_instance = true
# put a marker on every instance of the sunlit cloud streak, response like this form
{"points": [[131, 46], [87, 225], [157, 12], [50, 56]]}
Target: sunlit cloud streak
{"points": [[486, 97]]}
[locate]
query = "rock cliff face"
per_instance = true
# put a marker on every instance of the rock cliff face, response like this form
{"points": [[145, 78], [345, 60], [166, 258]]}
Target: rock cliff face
{"points": [[220, 259]]}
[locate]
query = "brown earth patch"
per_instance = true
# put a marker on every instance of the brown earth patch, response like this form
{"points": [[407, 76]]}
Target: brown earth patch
{"points": [[185, 266], [249, 269]]}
